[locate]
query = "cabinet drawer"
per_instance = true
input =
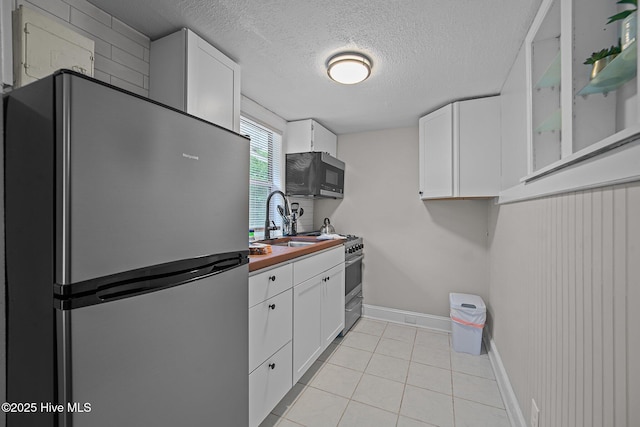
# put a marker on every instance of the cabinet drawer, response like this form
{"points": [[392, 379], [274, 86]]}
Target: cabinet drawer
{"points": [[316, 264], [269, 327], [263, 286], [268, 384]]}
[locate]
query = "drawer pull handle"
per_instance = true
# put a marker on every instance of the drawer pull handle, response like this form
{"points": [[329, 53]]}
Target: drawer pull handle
{"points": [[272, 278], [272, 306], [272, 365]]}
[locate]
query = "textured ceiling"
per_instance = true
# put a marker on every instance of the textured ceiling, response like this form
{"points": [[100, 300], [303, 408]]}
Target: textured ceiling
{"points": [[425, 53]]}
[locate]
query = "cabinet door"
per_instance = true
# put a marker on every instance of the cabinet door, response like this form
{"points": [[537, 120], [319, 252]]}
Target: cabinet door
{"points": [[436, 154], [269, 327], [479, 147], [307, 325], [333, 304], [323, 140], [299, 136], [189, 74], [268, 384], [213, 82]]}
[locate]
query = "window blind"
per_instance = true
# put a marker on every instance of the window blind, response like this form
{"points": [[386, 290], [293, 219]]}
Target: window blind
{"points": [[264, 171]]}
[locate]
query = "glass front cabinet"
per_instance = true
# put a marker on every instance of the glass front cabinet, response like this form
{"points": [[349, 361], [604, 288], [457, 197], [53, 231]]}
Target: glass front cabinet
{"points": [[583, 89]]}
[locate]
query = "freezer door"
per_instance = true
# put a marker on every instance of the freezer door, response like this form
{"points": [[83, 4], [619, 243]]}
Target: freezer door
{"points": [[176, 357], [139, 184]]}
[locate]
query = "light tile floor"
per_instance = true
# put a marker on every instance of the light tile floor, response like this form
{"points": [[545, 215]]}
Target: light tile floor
{"points": [[383, 374]]}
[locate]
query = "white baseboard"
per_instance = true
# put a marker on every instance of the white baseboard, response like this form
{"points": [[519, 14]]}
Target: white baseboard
{"points": [[409, 318], [508, 395]]}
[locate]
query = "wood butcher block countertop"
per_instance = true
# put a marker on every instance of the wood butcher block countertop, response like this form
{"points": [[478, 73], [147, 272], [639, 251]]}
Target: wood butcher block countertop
{"points": [[285, 253]]}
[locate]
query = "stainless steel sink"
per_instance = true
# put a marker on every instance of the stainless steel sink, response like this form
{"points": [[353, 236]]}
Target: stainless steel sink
{"points": [[294, 244]]}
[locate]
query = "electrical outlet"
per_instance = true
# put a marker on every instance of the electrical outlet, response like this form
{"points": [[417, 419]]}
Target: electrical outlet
{"points": [[535, 414]]}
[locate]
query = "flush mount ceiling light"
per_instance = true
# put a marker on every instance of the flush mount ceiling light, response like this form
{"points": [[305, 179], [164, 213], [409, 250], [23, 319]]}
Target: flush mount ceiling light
{"points": [[349, 68]]}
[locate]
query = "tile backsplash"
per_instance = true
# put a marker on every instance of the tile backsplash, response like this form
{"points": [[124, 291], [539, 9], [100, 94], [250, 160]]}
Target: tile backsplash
{"points": [[305, 222], [121, 52]]}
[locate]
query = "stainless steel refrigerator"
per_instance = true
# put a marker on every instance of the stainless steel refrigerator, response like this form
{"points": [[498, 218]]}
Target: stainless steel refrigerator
{"points": [[126, 260]]}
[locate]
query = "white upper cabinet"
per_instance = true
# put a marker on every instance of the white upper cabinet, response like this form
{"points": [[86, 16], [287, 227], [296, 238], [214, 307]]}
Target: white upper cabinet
{"points": [[436, 153], [309, 135], [460, 150], [189, 74]]}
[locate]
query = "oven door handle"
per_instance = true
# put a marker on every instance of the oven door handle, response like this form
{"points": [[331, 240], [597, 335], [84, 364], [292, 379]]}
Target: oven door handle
{"points": [[353, 261]]}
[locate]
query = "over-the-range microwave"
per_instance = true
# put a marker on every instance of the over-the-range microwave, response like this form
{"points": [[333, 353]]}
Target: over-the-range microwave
{"points": [[314, 174]]}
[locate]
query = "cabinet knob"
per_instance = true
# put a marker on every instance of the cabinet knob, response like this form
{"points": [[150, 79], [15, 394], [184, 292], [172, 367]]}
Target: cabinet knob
{"points": [[272, 306], [420, 193], [328, 278], [272, 278], [272, 365]]}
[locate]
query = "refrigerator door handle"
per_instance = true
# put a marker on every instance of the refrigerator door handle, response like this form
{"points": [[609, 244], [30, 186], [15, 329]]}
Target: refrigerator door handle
{"points": [[144, 281], [150, 284]]}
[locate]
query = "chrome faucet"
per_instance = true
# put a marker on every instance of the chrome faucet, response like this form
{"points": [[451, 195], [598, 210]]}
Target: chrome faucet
{"points": [[287, 214]]}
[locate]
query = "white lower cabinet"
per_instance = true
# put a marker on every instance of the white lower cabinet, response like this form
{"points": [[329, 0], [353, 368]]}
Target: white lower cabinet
{"points": [[270, 333], [295, 312], [333, 305], [307, 325], [318, 316], [268, 384]]}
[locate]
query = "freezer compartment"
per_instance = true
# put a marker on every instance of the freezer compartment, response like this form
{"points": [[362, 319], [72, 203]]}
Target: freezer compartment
{"points": [[174, 357], [140, 184]]}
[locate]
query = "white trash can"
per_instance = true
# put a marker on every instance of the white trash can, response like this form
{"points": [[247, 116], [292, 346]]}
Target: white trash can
{"points": [[468, 314]]}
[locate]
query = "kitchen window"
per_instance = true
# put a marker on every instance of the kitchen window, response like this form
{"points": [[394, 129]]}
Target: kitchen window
{"points": [[264, 170]]}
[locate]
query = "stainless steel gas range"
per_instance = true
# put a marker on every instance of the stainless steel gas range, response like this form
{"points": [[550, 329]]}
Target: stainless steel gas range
{"points": [[354, 254]]}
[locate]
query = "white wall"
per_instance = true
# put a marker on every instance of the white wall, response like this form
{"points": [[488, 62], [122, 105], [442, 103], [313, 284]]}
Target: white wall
{"points": [[415, 252], [121, 53], [565, 280]]}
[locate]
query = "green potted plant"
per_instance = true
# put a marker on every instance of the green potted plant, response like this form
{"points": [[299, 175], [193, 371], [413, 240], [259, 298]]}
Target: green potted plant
{"points": [[599, 60], [629, 22]]}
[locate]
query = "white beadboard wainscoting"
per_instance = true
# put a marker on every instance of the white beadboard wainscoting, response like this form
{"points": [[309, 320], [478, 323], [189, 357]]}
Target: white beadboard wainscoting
{"points": [[564, 281]]}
